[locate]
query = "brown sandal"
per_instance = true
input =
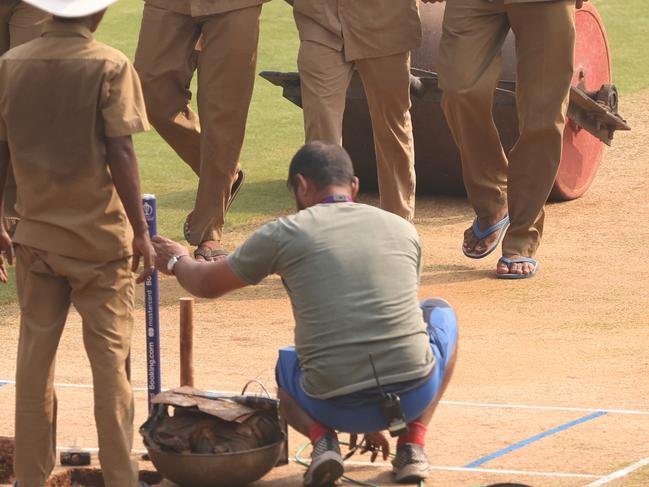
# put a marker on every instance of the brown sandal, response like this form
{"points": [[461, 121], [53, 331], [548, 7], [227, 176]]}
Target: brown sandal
{"points": [[209, 254], [234, 191]]}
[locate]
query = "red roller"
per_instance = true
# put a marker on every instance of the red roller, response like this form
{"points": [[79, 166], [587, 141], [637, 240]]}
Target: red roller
{"points": [[582, 152]]}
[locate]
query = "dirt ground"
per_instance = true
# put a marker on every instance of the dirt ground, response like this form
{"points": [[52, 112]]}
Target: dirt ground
{"points": [[566, 344]]}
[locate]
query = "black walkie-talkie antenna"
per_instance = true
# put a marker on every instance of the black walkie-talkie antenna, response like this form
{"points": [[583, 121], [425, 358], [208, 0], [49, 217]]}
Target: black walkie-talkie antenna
{"points": [[376, 376]]}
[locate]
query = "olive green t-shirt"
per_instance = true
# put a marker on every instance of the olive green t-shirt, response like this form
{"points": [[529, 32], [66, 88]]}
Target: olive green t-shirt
{"points": [[352, 274]]}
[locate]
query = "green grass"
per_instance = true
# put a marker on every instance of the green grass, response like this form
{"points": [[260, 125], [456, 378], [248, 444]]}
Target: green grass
{"points": [[627, 26], [273, 134], [275, 125]]}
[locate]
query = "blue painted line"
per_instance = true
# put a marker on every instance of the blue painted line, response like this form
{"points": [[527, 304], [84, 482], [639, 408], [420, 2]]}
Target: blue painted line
{"points": [[3, 383], [540, 436]]}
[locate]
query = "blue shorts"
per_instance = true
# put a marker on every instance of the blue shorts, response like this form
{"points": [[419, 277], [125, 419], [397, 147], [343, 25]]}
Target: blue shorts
{"points": [[355, 413]]}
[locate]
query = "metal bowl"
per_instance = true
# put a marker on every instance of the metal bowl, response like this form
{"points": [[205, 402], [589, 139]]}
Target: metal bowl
{"points": [[217, 470]]}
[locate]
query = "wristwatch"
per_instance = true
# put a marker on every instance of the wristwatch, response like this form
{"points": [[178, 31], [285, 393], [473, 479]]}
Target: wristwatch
{"points": [[173, 260]]}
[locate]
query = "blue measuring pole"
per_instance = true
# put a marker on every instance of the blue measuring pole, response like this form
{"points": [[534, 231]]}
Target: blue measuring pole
{"points": [[152, 310]]}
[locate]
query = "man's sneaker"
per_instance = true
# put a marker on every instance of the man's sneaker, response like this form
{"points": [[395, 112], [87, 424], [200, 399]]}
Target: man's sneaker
{"points": [[326, 462], [410, 465]]}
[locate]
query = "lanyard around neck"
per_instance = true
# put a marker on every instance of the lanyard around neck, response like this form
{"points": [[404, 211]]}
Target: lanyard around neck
{"points": [[337, 198]]}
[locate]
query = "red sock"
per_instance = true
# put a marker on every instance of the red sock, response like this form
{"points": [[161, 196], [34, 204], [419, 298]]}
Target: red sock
{"points": [[416, 433], [317, 430]]}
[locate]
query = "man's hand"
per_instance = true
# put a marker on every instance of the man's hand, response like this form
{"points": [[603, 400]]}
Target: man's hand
{"points": [[579, 3], [7, 249], [142, 248], [120, 157], [373, 442], [165, 249]]}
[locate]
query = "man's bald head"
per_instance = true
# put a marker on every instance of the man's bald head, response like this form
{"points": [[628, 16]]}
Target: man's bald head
{"points": [[323, 164]]}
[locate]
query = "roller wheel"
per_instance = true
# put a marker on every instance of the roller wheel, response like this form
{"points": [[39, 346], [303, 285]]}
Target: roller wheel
{"points": [[582, 152]]}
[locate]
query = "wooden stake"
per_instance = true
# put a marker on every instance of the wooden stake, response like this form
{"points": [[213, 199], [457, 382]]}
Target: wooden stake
{"points": [[186, 342]]}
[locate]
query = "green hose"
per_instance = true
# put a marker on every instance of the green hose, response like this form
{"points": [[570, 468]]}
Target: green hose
{"points": [[299, 460]]}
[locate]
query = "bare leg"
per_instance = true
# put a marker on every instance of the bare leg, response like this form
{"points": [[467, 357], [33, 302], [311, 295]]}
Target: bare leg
{"points": [[326, 461], [293, 413]]}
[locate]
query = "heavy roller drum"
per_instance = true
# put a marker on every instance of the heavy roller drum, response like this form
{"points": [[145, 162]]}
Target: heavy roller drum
{"points": [[593, 116]]}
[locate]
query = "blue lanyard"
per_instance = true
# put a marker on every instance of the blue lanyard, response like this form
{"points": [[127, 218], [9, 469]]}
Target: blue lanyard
{"points": [[337, 198]]}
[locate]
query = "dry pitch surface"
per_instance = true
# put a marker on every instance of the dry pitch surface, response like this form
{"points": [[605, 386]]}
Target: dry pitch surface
{"points": [[551, 383]]}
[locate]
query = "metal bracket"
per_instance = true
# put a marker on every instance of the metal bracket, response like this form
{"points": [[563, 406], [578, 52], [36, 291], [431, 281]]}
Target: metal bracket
{"points": [[594, 111]]}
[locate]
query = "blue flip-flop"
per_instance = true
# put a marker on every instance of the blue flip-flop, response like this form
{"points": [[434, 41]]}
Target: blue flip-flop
{"points": [[521, 260], [501, 226]]}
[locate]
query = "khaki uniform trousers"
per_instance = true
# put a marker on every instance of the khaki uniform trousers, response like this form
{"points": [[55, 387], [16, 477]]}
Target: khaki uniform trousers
{"points": [[166, 59], [103, 295], [325, 76], [470, 66], [19, 23]]}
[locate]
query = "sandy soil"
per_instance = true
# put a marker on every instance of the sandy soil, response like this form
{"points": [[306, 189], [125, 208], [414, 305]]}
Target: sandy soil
{"points": [[573, 337]]}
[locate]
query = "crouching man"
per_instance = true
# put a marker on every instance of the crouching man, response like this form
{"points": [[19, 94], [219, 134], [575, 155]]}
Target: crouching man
{"points": [[352, 274]]}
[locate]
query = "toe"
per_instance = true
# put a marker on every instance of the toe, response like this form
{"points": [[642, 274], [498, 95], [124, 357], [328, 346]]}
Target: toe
{"points": [[470, 241]]}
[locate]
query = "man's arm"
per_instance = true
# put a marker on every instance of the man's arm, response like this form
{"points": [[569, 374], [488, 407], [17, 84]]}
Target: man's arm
{"points": [[5, 241], [202, 279], [121, 159]]}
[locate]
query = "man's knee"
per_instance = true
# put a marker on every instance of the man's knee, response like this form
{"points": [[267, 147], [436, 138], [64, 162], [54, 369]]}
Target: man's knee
{"points": [[465, 95], [442, 323], [430, 304], [158, 110]]}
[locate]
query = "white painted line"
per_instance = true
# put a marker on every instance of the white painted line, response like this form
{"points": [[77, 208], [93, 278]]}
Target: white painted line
{"points": [[482, 470], [449, 469], [620, 473], [90, 386], [545, 408], [94, 450], [447, 403], [70, 386]]}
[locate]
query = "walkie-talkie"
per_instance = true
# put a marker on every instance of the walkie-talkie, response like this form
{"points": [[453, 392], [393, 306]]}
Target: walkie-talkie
{"points": [[391, 408]]}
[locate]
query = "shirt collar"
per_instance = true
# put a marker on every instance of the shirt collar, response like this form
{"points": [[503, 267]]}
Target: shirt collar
{"points": [[69, 28]]}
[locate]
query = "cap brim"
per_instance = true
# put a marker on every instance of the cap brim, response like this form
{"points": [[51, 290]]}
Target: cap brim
{"points": [[71, 8]]}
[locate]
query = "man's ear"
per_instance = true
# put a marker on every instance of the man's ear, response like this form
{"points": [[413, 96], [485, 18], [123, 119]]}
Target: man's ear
{"points": [[301, 186], [95, 20], [356, 185]]}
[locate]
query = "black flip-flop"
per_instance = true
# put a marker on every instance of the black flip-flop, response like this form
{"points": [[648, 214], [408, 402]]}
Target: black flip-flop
{"points": [[236, 186]]}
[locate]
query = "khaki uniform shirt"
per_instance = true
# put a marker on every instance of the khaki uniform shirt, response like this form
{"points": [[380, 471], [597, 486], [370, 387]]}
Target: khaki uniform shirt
{"points": [[352, 273], [62, 95], [199, 8], [360, 28]]}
